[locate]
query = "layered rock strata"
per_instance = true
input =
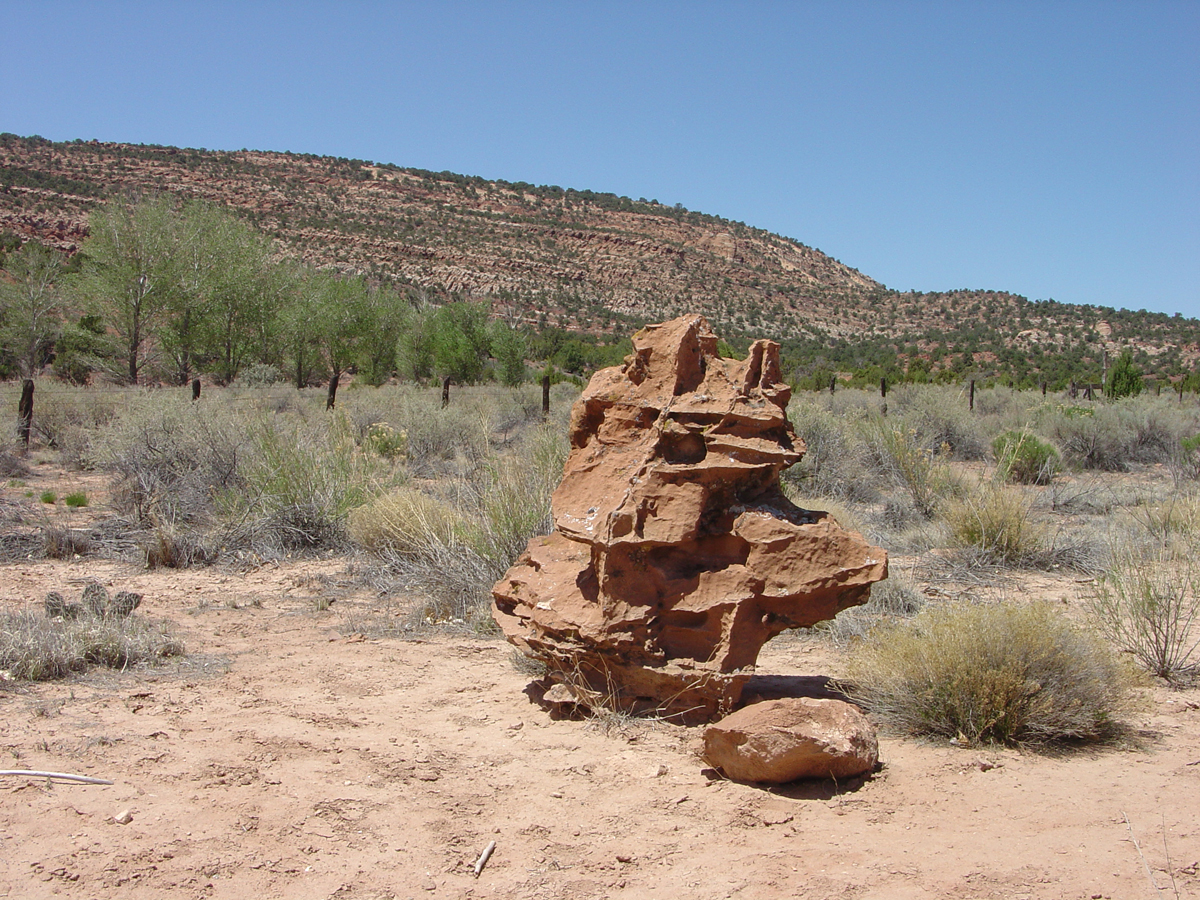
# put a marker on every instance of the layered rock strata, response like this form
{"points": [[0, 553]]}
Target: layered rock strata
{"points": [[675, 555]]}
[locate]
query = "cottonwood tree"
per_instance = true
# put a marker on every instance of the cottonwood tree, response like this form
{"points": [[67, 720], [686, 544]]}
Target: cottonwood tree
{"points": [[30, 306], [130, 272], [460, 341], [386, 319], [414, 350], [238, 295], [330, 315], [509, 348]]}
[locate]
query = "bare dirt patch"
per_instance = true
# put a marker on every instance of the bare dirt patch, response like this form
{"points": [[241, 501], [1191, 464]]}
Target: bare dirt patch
{"points": [[285, 758]]}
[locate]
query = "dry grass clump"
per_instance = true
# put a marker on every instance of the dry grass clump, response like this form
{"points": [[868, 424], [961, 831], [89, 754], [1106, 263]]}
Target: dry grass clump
{"points": [[12, 466], [404, 522], [451, 549], [36, 648], [1006, 673], [993, 523], [893, 599], [61, 542], [1149, 606], [171, 547]]}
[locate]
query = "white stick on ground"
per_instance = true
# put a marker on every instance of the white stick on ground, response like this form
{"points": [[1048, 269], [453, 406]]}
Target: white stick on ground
{"points": [[1149, 874], [484, 857], [82, 779]]}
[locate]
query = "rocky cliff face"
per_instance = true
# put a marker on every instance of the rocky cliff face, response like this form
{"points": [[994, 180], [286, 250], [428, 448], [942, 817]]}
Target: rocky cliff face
{"points": [[675, 555]]}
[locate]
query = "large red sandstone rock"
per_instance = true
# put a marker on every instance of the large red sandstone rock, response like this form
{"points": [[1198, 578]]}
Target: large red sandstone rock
{"points": [[798, 737], [675, 555]]}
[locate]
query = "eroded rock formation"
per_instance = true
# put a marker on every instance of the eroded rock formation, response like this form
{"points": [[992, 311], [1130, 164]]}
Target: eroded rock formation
{"points": [[675, 555]]}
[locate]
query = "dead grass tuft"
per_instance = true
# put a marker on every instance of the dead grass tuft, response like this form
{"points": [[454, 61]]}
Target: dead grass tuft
{"points": [[36, 648]]}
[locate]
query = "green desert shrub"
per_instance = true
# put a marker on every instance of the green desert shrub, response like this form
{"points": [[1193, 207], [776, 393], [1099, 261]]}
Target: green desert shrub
{"points": [[1149, 606], [1006, 673], [1024, 458], [388, 442], [34, 647], [302, 477]]}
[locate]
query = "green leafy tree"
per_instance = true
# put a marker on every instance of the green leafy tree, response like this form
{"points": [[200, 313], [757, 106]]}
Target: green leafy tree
{"points": [[385, 321], [239, 296], [83, 348], [329, 315], [414, 350], [30, 306], [509, 347], [1124, 379], [460, 341], [130, 273]]}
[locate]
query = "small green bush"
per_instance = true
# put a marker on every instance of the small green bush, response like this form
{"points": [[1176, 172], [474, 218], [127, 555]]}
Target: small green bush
{"points": [[1023, 458], [76, 499], [385, 440], [1125, 379], [49, 497], [1007, 673]]}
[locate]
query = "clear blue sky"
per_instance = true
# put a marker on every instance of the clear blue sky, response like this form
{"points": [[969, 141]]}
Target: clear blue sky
{"points": [[1051, 149]]}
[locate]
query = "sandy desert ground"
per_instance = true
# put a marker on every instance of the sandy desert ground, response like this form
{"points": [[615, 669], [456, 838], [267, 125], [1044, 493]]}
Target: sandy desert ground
{"points": [[290, 756]]}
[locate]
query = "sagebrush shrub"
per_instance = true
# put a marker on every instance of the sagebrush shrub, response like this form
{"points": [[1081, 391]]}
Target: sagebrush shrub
{"points": [[1149, 606], [1007, 673], [895, 598]]}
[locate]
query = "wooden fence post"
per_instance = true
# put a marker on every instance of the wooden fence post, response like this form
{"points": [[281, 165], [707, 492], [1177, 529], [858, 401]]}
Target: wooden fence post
{"points": [[832, 385], [25, 412], [971, 401], [333, 386], [546, 396], [446, 392], [195, 389]]}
